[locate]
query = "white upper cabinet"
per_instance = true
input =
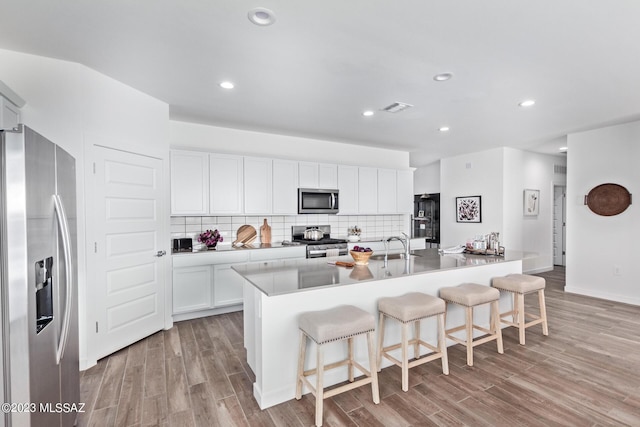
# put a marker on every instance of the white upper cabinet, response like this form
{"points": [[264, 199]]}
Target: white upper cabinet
{"points": [[226, 185], [327, 176], [348, 190], [368, 190], [318, 175], [405, 192], [387, 189], [189, 183], [308, 175], [285, 187], [257, 185]]}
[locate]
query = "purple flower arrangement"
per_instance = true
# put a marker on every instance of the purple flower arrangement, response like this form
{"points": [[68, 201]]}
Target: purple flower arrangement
{"points": [[210, 238]]}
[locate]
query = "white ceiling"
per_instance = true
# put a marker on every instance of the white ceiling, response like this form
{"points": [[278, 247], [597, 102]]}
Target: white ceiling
{"points": [[322, 63]]}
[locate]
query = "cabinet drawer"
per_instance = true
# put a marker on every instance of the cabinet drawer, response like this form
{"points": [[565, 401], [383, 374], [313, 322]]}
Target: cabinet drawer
{"points": [[279, 253]]}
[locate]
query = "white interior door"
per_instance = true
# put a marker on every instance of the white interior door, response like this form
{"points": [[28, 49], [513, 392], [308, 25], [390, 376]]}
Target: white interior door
{"points": [[129, 275], [559, 225]]}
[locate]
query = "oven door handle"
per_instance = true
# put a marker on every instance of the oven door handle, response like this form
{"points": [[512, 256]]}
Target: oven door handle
{"points": [[317, 252], [333, 200]]}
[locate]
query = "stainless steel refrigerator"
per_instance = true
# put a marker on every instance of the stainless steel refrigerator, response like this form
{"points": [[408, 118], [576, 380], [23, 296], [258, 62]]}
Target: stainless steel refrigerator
{"points": [[39, 307]]}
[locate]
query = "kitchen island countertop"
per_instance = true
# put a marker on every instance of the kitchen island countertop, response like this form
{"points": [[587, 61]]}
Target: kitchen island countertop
{"points": [[288, 276]]}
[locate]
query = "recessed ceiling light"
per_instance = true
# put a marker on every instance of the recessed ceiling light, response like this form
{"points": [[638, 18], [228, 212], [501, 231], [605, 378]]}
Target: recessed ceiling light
{"points": [[444, 129], [527, 103], [261, 16], [563, 148], [367, 113], [227, 85], [442, 77]]}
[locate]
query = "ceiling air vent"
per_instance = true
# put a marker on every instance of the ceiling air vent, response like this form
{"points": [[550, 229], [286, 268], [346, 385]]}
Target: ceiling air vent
{"points": [[396, 107]]}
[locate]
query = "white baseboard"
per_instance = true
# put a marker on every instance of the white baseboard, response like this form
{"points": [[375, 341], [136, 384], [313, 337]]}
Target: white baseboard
{"points": [[602, 295], [538, 270]]}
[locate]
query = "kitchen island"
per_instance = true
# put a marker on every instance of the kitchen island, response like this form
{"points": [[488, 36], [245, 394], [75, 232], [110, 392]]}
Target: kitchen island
{"points": [[275, 293]]}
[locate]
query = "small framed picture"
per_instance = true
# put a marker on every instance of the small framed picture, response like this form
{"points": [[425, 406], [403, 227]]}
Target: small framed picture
{"points": [[420, 214], [468, 209], [531, 202]]}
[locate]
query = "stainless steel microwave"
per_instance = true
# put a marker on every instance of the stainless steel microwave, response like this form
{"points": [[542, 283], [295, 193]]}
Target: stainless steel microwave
{"points": [[314, 201]]}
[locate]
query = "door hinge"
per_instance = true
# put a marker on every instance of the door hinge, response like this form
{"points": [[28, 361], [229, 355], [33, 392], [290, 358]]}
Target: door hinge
{"points": [[95, 247], [94, 168], [96, 327]]}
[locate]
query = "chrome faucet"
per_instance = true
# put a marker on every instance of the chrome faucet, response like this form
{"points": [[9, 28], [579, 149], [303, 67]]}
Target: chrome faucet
{"points": [[405, 244]]}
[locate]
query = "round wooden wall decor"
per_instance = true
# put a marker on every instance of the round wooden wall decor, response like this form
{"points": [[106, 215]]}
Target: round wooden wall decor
{"points": [[608, 199]]}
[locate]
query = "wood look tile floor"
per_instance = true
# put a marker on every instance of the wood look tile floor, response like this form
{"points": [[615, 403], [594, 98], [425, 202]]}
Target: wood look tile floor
{"points": [[585, 373]]}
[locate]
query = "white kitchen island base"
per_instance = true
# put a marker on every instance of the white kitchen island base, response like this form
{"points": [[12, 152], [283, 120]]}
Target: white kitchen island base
{"points": [[270, 321]]}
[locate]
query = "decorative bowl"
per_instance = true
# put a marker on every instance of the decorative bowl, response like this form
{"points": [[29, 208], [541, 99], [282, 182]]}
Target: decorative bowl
{"points": [[361, 258], [353, 238]]}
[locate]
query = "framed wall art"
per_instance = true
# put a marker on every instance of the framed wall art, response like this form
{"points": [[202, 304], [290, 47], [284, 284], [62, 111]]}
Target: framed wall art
{"points": [[468, 209], [531, 202]]}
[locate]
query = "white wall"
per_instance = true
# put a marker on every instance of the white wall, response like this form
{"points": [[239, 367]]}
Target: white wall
{"points": [[426, 179], [597, 244], [475, 174], [500, 176], [76, 107], [227, 140], [531, 234]]}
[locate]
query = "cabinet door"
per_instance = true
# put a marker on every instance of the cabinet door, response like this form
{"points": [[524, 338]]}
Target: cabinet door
{"points": [[257, 185], [308, 174], [285, 187], [189, 183], [327, 176], [367, 190], [404, 202], [348, 188], [227, 288], [192, 288], [226, 184], [387, 191]]}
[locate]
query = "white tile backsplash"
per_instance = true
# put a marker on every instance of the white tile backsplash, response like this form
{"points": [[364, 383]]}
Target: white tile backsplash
{"points": [[372, 226], [178, 220]]}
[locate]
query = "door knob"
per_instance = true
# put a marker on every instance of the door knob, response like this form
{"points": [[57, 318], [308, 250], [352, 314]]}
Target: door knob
{"points": [[161, 253]]}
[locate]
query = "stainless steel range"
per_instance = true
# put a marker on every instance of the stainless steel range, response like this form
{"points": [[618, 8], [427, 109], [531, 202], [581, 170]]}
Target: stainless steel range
{"points": [[320, 244]]}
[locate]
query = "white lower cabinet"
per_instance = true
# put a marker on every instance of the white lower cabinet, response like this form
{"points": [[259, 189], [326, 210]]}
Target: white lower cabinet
{"points": [[204, 284], [192, 288], [227, 288]]}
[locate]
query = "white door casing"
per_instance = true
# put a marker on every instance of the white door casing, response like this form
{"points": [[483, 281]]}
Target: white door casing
{"points": [[559, 225], [129, 275]]}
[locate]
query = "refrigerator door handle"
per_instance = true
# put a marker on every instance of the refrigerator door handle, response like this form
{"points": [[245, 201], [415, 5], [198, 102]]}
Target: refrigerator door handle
{"points": [[63, 224]]}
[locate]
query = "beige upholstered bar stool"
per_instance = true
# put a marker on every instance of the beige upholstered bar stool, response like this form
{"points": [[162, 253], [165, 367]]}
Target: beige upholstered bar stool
{"points": [[323, 327], [407, 309], [470, 295], [520, 285]]}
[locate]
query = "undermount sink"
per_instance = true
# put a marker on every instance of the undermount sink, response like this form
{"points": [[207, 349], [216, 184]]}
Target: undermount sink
{"points": [[380, 257]]}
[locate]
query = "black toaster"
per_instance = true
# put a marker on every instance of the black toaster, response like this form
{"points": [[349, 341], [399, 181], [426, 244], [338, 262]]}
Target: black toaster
{"points": [[182, 245]]}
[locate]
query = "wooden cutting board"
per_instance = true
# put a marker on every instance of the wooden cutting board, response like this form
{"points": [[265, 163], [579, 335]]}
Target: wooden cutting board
{"points": [[245, 235], [265, 232]]}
